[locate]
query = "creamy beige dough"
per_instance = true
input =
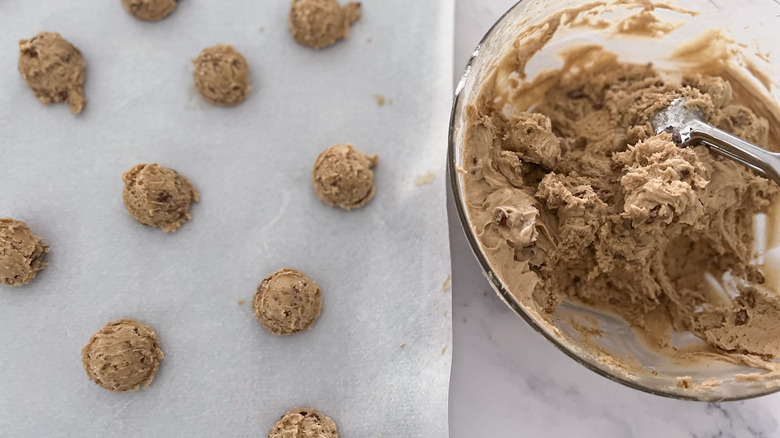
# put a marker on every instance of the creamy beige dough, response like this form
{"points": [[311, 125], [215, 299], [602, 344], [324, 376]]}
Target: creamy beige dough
{"points": [[342, 177], [222, 75], [287, 302], [304, 423], [53, 69], [123, 356], [149, 10], [581, 200], [320, 23], [21, 253], [158, 197]]}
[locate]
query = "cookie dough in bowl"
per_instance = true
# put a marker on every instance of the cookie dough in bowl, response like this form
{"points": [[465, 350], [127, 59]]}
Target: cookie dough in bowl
{"points": [[644, 261]]}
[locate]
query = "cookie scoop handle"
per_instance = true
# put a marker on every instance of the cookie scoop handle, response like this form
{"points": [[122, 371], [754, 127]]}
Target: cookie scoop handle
{"points": [[762, 161]]}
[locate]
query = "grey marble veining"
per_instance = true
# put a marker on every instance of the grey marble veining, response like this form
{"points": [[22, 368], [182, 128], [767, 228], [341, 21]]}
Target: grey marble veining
{"points": [[508, 381]]}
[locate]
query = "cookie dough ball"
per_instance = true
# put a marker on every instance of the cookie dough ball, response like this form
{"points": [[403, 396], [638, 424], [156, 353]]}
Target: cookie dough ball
{"points": [[53, 69], [287, 302], [122, 356], [304, 423], [222, 75], [21, 253], [320, 23], [158, 197], [343, 177], [149, 10]]}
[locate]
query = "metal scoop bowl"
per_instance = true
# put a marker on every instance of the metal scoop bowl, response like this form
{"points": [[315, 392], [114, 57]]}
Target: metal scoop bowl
{"points": [[687, 128]]}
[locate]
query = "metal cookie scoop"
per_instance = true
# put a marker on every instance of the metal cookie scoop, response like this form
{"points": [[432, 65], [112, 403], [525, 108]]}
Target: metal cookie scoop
{"points": [[687, 128]]}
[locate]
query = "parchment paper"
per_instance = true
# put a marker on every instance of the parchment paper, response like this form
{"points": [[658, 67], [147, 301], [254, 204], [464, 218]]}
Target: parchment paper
{"points": [[381, 268]]}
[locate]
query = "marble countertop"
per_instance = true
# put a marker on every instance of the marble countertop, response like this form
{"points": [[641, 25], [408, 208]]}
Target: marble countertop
{"points": [[508, 381]]}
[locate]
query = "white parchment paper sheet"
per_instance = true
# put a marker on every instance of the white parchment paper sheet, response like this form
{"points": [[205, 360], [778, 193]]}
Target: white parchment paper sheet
{"points": [[381, 268]]}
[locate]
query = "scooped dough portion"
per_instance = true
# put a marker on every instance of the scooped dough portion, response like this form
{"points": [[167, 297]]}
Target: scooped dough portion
{"points": [[122, 356], [149, 10], [21, 253], [287, 302], [320, 23], [158, 197], [304, 423], [53, 69], [343, 177], [222, 75]]}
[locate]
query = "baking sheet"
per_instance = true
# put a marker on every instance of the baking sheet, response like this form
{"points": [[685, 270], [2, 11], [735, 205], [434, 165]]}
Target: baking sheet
{"points": [[381, 268]]}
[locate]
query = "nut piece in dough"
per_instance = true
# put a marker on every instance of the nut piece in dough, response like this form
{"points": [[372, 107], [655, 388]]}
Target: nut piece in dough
{"points": [[21, 253], [122, 356], [149, 10], [222, 75], [53, 69], [287, 302], [320, 23], [304, 423], [158, 197], [343, 177]]}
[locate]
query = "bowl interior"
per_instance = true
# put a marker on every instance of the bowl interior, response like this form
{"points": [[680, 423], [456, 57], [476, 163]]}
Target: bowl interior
{"points": [[648, 370]]}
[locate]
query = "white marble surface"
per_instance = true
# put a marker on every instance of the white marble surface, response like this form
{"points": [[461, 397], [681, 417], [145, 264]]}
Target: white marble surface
{"points": [[508, 381]]}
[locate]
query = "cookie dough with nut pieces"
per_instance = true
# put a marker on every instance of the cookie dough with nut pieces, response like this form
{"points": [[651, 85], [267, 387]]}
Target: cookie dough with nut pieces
{"points": [[342, 177], [123, 356], [221, 75], [149, 10], [21, 253], [287, 302], [304, 423], [321, 23], [157, 196], [53, 69]]}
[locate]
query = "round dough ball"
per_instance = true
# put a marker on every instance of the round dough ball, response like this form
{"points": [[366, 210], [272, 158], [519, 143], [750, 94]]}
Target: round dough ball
{"points": [[53, 69], [122, 356], [320, 23], [287, 302], [304, 423], [343, 177], [158, 197], [222, 75], [21, 253], [149, 10]]}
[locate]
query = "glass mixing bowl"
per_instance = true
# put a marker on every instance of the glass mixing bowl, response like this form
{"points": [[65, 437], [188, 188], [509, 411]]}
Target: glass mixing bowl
{"points": [[749, 22]]}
